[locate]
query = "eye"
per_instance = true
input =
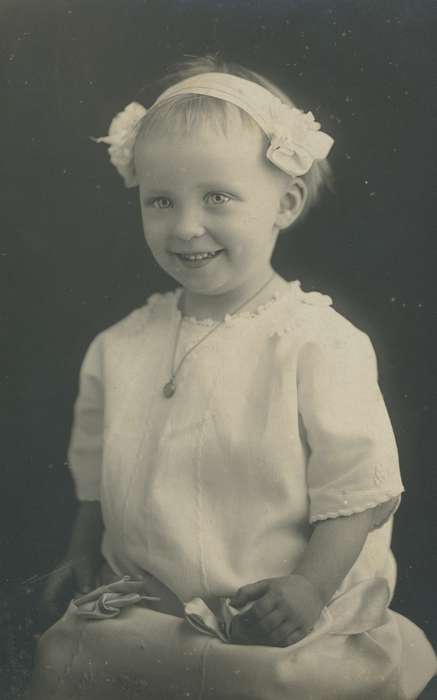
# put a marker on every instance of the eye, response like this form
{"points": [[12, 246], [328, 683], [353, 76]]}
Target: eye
{"points": [[218, 198], [160, 203]]}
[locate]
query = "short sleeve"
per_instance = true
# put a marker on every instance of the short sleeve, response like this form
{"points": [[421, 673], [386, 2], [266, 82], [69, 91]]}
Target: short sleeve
{"points": [[85, 448], [353, 460]]}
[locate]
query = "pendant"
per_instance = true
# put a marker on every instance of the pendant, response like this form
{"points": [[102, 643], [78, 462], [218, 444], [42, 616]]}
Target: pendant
{"points": [[169, 389]]}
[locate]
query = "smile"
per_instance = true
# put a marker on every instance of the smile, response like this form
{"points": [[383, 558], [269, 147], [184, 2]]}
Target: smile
{"points": [[197, 257], [196, 260]]}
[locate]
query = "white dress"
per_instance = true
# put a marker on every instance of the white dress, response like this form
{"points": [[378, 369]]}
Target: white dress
{"points": [[277, 422]]}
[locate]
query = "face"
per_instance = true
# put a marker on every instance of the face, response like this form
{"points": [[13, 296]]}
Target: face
{"points": [[211, 207]]}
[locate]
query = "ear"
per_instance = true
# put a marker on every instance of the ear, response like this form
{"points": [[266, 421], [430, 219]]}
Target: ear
{"points": [[291, 204]]}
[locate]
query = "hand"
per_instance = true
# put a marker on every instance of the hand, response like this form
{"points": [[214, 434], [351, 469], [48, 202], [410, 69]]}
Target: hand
{"points": [[72, 576], [284, 611]]}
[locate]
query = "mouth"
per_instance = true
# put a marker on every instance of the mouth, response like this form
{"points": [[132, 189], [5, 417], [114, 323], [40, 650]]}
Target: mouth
{"points": [[198, 257], [192, 260]]}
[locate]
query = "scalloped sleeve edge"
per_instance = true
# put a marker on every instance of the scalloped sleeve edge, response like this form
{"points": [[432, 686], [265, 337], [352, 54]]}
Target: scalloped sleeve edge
{"points": [[385, 506]]}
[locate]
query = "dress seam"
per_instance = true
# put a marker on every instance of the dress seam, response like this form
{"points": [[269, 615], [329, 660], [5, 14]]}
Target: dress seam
{"points": [[205, 651], [199, 452], [134, 472], [198, 505]]}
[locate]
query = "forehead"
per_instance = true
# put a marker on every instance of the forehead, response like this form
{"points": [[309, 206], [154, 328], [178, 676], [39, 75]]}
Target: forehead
{"points": [[238, 154]]}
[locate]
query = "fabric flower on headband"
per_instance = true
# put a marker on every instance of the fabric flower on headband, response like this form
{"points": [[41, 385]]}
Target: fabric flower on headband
{"points": [[121, 139], [295, 137]]}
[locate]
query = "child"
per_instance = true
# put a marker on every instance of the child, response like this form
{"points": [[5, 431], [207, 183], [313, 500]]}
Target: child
{"points": [[230, 438]]}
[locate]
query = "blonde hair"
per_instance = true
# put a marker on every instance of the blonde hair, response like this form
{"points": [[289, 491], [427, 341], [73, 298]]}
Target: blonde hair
{"points": [[188, 112]]}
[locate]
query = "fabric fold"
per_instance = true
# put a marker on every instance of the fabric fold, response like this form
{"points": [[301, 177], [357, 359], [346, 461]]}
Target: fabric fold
{"points": [[109, 605]]}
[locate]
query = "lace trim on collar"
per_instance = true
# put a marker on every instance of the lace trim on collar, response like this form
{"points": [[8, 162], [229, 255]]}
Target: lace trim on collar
{"points": [[293, 292]]}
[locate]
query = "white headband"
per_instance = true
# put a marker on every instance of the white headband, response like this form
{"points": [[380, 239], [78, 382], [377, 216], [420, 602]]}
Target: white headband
{"points": [[295, 138]]}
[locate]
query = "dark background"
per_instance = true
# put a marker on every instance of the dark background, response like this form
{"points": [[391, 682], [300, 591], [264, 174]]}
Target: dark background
{"points": [[75, 260]]}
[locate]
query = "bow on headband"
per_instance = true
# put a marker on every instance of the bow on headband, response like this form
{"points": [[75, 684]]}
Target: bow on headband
{"points": [[295, 139]]}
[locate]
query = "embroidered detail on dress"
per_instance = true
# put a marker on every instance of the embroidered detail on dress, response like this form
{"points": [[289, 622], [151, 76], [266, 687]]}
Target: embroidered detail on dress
{"points": [[293, 288], [379, 474], [199, 321], [279, 326], [296, 322], [316, 299], [384, 499], [339, 343]]}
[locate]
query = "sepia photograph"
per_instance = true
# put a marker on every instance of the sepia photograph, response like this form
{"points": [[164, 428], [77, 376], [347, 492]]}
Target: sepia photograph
{"points": [[219, 383]]}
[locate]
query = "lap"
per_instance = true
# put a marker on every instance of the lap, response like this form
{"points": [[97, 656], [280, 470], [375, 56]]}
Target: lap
{"points": [[156, 655]]}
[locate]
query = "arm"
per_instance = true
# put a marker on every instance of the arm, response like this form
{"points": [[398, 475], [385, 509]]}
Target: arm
{"points": [[332, 550], [87, 531], [76, 572], [286, 608], [352, 459], [85, 459]]}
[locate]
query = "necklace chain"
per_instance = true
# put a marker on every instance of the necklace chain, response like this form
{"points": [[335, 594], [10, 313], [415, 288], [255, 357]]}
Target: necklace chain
{"points": [[170, 387]]}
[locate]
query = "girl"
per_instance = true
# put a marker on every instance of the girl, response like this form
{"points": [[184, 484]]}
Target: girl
{"points": [[230, 442]]}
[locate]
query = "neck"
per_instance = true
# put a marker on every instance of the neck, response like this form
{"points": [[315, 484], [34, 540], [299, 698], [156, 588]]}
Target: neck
{"points": [[216, 306]]}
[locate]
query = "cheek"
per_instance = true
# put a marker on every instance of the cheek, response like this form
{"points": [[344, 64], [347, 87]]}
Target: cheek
{"points": [[156, 248], [239, 248], [154, 243], [154, 232], [259, 218], [248, 219]]}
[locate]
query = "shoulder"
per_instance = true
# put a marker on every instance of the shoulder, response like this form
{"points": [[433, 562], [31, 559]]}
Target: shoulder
{"points": [[311, 320], [157, 307], [330, 342], [313, 316], [123, 337]]}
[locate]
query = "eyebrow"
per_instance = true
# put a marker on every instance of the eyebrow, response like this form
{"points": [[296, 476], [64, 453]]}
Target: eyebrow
{"points": [[158, 190], [233, 188]]}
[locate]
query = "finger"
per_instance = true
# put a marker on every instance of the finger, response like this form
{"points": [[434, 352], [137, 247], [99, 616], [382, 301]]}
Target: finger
{"points": [[237, 631], [85, 581], [258, 610], [248, 593], [295, 637], [287, 634], [55, 589], [270, 622], [242, 634]]}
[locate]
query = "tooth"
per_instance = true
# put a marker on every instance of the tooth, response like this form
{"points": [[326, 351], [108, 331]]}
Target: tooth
{"points": [[197, 256]]}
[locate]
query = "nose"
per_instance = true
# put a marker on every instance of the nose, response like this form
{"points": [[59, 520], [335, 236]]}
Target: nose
{"points": [[188, 224]]}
